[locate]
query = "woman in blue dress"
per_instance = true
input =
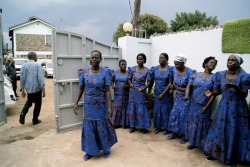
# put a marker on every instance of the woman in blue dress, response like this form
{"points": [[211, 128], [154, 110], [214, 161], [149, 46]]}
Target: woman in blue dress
{"points": [[97, 131], [199, 118], [178, 115], [161, 75], [121, 92], [227, 137], [137, 113]]}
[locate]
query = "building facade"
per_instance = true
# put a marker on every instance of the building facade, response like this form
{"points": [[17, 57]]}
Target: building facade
{"points": [[34, 35]]}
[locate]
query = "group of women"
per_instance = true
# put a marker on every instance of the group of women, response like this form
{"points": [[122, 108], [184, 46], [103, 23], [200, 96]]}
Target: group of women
{"points": [[182, 105]]}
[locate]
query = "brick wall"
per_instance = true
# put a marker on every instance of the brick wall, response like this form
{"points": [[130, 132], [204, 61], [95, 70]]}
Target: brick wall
{"points": [[29, 42]]}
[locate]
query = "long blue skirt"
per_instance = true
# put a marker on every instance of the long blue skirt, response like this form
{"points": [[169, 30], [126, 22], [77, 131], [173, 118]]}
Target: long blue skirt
{"points": [[97, 135], [137, 115]]}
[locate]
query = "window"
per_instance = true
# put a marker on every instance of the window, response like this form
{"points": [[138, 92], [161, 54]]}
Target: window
{"points": [[48, 40]]}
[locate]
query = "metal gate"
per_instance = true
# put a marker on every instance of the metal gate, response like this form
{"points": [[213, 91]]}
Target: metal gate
{"points": [[3, 112], [71, 52]]}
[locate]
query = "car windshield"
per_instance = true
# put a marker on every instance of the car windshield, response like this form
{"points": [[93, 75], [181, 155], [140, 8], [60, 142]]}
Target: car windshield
{"points": [[49, 65], [20, 62]]}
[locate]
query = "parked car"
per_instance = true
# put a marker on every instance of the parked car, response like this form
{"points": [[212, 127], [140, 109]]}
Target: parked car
{"points": [[47, 69], [18, 65], [10, 98]]}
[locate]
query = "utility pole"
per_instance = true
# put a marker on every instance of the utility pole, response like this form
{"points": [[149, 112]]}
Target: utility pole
{"points": [[137, 7]]}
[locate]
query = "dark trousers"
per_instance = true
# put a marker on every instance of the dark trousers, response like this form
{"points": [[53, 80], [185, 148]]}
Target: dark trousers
{"points": [[13, 81], [33, 98]]}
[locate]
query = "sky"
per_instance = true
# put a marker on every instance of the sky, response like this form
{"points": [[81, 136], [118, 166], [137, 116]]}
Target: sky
{"points": [[99, 19]]}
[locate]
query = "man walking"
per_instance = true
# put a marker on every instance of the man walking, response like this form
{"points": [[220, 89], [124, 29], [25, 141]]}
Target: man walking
{"points": [[32, 82]]}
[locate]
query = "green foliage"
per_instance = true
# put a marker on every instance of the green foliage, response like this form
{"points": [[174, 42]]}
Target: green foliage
{"points": [[192, 21], [236, 36], [151, 23], [118, 33]]}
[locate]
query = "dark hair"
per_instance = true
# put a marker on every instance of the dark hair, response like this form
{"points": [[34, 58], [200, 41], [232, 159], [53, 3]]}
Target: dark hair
{"points": [[122, 60], [143, 56], [31, 55], [97, 52], [165, 55], [206, 60]]}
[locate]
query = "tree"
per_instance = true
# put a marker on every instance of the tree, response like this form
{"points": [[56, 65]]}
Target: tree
{"points": [[151, 23], [191, 21]]}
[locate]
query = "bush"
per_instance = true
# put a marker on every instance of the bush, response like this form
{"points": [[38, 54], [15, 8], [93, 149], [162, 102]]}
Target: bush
{"points": [[236, 36]]}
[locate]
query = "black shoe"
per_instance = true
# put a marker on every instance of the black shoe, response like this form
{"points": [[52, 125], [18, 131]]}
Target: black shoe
{"points": [[36, 122], [22, 118], [190, 147], [131, 130], [143, 131], [206, 154], [211, 158], [231, 164]]}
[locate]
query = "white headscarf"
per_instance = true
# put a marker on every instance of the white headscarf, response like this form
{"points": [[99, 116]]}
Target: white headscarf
{"points": [[180, 58], [237, 56]]}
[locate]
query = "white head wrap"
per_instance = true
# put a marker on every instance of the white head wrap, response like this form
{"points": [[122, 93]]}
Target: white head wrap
{"points": [[180, 58], [237, 56]]}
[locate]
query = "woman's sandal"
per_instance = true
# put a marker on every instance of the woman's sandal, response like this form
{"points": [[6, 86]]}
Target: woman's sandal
{"points": [[106, 155], [173, 136], [87, 157]]}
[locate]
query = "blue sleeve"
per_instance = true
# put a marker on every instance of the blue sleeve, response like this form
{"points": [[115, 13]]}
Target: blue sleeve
{"points": [[151, 73], [171, 68], [191, 79], [217, 80], [81, 77], [108, 75], [148, 75], [245, 82], [130, 73], [190, 74], [113, 75]]}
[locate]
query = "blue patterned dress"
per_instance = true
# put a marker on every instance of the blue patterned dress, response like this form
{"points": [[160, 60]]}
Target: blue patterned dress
{"points": [[178, 115], [198, 123], [97, 131], [227, 137], [162, 107], [137, 113], [121, 95]]}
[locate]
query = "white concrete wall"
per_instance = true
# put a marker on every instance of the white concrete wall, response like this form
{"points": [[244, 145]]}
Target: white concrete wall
{"points": [[131, 47], [197, 45]]}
